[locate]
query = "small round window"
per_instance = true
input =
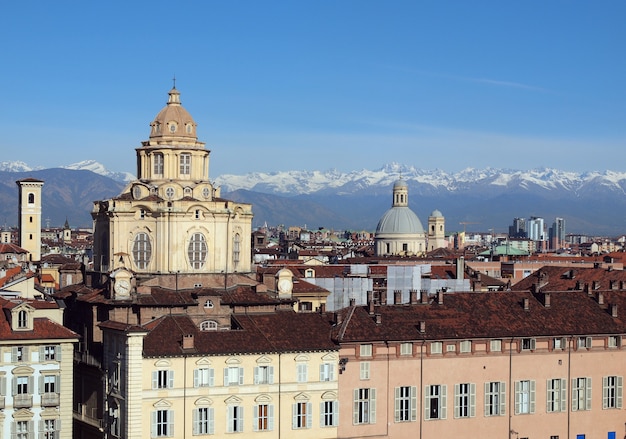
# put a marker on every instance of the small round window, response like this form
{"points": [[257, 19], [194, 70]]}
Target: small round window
{"points": [[206, 192], [172, 127], [169, 192]]}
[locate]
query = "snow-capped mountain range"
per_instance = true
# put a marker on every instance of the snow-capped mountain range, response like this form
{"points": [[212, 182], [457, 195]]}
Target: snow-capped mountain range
{"points": [[85, 165]]}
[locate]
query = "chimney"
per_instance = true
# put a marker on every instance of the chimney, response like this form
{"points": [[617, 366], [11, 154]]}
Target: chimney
{"points": [[370, 302], [546, 300], [338, 318], [352, 301], [378, 319], [526, 304], [188, 341], [614, 310], [322, 308], [600, 299], [422, 327], [397, 297], [578, 285], [587, 289], [596, 284], [383, 297], [440, 297], [424, 296], [460, 268], [413, 294], [613, 284]]}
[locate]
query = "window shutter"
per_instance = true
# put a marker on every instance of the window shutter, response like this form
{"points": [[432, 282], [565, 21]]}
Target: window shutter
{"points": [[241, 376], [444, 403], [41, 427], [270, 415], [532, 396], [270, 374], [170, 379], [619, 392], [372, 406], [563, 400], [226, 380], [196, 378], [574, 391], [3, 386], [472, 400], [517, 395], [331, 372], [231, 419], [211, 377], [335, 413], [588, 342], [413, 403], [533, 344], [397, 404], [502, 399], [309, 415], [294, 416], [196, 422], [255, 425], [155, 379], [487, 405], [14, 385], [41, 389], [211, 420], [42, 353], [57, 353], [355, 412], [257, 378], [31, 384], [153, 423], [170, 423], [31, 429], [588, 394], [605, 392], [427, 402], [322, 372], [322, 414], [14, 351], [457, 407]]}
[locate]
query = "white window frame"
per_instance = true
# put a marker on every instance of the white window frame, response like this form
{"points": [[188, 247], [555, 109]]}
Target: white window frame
{"points": [[525, 397], [263, 417], [158, 163], [235, 419], [365, 350], [556, 393], [583, 342], [364, 406], [185, 164], [203, 420], [233, 376], [405, 404], [559, 343], [264, 374], [613, 341], [406, 349], [327, 372], [495, 345], [528, 344], [162, 379], [465, 346], [329, 413], [436, 347], [142, 250], [204, 377], [364, 370], [495, 398], [197, 250], [612, 392], [465, 400], [302, 415], [162, 423], [435, 393], [581, 394], [50, 428]]}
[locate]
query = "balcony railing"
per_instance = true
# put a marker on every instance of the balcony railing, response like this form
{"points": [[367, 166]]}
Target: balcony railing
{"points": [[50, 400], [22, 401], [81, 413]]}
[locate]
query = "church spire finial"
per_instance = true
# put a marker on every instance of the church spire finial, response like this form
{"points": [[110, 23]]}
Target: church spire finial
{"points": [[174, 80]]}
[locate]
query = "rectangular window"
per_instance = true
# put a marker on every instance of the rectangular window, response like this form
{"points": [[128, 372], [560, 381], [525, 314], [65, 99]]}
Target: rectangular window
{"points": [[451, 347], [524, 397], [162, 423], [204, 377], [329, 413], [364, 406], [49, 383], [264, 417], [204, 420], [495, 398], [613, 341], [49, 353], [559, 343], [435, 405], [581, 394], [556, 395], [162, 379], [365, 350], [364, 367], [264, 375], [233, 376], [21, 385], [158, 164], [235, 419], [185, 164], [528, 344], [464, 400], [50, 429], [19, 353], [301, 415], [612, 392], [436, 347], [495, 346], [583, 342], [327, 372], [23, 429], [302, 372], [465, 346], [405, 403], [406, 348]]}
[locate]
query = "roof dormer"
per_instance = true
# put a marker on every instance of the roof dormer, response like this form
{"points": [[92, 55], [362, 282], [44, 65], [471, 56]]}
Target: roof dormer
{"points": [[22, 317]]}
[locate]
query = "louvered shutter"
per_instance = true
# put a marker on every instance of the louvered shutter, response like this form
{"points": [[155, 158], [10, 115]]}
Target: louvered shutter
{"points": [[270, 375], [226, 379], [196, 417], [335, 413], [372, 406], [170, 423], [444, 403], [588, 394], [487, 402], [294, 416], [211, 420], [502, 399], [257, 377], [619, 392], [563, 395], [517, 397], [397, 391], [170, 379], [153, 424], [211, 377], [241, 376], [255, 425], [413, 403], [270, 417], [472, 400], [532, 396], [155, 379], [309, 415], [196, 378], [41, 384], [427, 402], [355, 412]]}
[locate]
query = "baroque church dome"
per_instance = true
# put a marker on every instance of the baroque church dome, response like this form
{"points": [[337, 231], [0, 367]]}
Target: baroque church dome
{"points": [[173, 121], [400, 218]]}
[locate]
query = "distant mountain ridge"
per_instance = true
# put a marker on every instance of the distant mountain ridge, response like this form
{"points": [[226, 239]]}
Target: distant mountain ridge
{"points": [[489, 199]]}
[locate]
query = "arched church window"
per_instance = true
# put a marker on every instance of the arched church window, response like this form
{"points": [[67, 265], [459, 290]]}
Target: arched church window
{"points": [[197, 251], [208, 303], [236, 247], [31, 198], [142, 250], [189, 128], [22, 319], [208, 325]]}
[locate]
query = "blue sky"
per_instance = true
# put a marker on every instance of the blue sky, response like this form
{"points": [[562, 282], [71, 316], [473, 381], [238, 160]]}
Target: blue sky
{"points": [[315, 85]]}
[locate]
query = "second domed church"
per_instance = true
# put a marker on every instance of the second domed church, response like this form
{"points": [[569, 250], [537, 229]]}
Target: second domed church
{"points": [[400, 231]]}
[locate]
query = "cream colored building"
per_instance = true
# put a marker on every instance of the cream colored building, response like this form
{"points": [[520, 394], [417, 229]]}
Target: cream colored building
{"points": [[171, 219], [29, 216], [36, 370]]}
